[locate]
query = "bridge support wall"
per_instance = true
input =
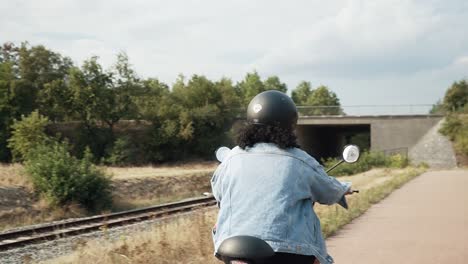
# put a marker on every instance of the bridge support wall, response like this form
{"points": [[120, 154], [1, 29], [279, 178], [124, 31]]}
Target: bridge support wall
{"points": [[396, 133], [386, 132]]}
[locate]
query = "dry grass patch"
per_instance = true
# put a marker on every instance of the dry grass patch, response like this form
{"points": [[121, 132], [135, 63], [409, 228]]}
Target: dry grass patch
{"points": [[161, 171], [188, 239], [137, 192], [13, 174], [144, 186]]}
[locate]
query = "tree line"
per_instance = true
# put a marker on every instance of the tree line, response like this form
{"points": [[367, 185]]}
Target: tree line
{"points": [[185, 120]]}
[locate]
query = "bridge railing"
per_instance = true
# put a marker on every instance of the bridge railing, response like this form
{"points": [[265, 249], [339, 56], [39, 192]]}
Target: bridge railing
{"points": [[403, 109]]}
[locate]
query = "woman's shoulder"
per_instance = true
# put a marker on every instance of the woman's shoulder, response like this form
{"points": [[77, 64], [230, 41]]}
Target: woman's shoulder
{"points": [[233, 152], [296, 153], [303, 156]]}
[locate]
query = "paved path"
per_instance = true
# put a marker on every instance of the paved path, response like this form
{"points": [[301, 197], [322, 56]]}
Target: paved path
{"points": [[426, 221]]}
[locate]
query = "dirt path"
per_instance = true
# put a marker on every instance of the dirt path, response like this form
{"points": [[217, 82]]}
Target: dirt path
{"points": [[426, 221]]}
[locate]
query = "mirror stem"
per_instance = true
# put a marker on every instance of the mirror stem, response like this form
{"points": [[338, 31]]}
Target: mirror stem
{"points": [[334, 166]]}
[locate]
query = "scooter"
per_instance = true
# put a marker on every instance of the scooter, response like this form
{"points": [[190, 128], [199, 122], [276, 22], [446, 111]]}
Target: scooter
{"points": [[253, 250]]}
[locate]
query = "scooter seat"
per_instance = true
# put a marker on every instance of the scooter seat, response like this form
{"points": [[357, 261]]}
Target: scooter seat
{"points": [[245, 247]]}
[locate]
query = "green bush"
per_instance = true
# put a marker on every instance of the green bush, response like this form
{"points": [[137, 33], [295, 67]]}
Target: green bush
{"points": [[423, 165], [456, 128], [63, 179], [461, 142], [367, 161], [27, 133], [397, 161]]}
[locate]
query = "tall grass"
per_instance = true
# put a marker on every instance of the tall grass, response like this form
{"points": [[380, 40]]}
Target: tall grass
{"points": [[187, 239]]}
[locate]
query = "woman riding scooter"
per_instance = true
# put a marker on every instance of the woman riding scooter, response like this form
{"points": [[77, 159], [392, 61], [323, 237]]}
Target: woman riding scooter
{"points": [[266, 186]]}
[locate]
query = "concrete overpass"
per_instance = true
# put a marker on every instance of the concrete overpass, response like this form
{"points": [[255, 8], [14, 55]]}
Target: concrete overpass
{"points": [[416, 135]]}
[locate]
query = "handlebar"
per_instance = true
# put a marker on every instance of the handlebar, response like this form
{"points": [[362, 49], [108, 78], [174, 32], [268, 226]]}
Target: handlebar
{"points": [[351, 192]]}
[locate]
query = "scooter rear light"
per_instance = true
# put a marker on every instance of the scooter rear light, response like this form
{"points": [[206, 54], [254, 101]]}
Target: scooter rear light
{"points": [[238, 262]]}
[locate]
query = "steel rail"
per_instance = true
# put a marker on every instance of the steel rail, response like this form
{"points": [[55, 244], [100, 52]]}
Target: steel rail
{"points": [[19, 238]]}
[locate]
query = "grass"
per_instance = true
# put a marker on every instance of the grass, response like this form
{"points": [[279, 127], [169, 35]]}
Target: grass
{"points": [[137, 192], [187, 239], [13, 175], [145, 186], [160, 171]]}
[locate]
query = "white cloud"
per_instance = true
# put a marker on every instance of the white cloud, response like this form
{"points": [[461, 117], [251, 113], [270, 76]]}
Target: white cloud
{"points": [[462, 61], [371, 38]]}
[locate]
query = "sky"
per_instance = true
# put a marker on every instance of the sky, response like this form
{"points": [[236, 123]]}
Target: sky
{"points": [[380, 52]]}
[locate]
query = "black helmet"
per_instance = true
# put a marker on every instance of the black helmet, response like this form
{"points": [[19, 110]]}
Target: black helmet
{"points": [[272, 108]]}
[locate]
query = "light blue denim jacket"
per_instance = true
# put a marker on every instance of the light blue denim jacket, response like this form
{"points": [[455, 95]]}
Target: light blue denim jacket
{"points": [[267, 192]]}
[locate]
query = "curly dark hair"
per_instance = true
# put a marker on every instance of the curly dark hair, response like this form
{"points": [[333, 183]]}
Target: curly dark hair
{"points": [[250, 134]]}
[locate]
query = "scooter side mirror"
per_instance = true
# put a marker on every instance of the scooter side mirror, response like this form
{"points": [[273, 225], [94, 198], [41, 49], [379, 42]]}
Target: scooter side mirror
{"points": [[222, 153], [351, 153]]}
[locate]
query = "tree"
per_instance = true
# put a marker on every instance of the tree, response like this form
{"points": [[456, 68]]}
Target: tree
{"points": [[55, 99], [206, 112], [319, 101], [231, 104], [8, 52], [302, 93], [17, 96], [200, 101], [323, 97], [250, 86], [456, 97], [274, 83], [91, 96], [29, 70], [92, 102], [126, 84], [38, 66], [456, 109], [5, 109], [151, 99]]}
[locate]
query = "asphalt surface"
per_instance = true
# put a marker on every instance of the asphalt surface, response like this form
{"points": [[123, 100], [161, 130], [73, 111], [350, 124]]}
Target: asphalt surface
{"points": [[426, 221]]}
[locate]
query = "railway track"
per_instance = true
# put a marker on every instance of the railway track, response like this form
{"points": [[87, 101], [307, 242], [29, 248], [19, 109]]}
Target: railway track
{"points": [[20, 238]]}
